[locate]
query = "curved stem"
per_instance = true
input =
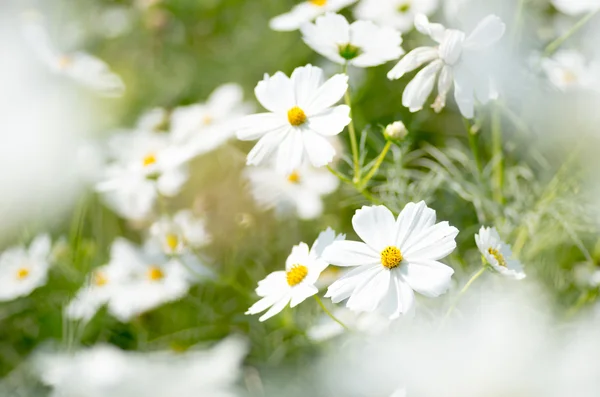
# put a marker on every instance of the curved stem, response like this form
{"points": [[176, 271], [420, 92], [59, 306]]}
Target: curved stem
{"points": [[373, 170], [474, 147], [552, 47], [351, 129], [339, 175], [462, 292], [334, 318], [498, 156]]}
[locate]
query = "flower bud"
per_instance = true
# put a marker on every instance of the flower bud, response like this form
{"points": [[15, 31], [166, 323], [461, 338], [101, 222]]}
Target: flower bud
{"points": [[395, 131]]}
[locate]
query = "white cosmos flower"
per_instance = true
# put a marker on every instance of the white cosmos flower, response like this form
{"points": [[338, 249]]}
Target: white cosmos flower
{"points": [[454, 60], [22, 270], [306, 11], [81, 67], [568, 70], [301, 117], [397, 256], [300, 192], [177, 234], [398, 14], [205, 126], [145, 165], [576, 7], [297, 282], [498, 254], [362, 43]]}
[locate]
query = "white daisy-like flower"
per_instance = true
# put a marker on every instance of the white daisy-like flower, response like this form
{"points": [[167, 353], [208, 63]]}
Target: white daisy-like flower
{"points": [[362, 43], [397, 256], [206, 126], [576, 7], [300, 192], [498, 254], [398, 14], [177, 234], [297, 282], [301, 117], [22, 270], [453, 59], [569, 70], [79, 66], [305, 12], [145, 165]]}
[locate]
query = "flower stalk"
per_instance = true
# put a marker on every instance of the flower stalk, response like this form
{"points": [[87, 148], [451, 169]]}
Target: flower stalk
{"points": [[375, 167], [352, 131], [555, 45], [498, 156], [328, 312]]}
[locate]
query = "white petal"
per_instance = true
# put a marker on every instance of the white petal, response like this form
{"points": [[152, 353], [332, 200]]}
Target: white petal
{"points": [[378, 44], [255, 126], [391, 304], [463, 94], [451, 48], [318, 149], [435, 242], [262, 305], [225, 97], [429, 278], [413, 219], [434, 30], [275, 93], [299, 255], [308, 204], [343, 288], [324, 240], [301, 292], [413, 60], [169, 183], [325, 34], [306, 80], [376, 226], [266, 145], [487, 32], [406, 296], [350, 253], [368, 294], [328, 94], [40, 247], [300, 14], [276, 308], [290, 151], [330, 121], [418, 90]]}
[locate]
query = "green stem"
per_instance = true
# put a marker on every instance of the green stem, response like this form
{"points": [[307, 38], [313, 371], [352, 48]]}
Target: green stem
{"points": [[473, 145], [373, 170], [462, 292], [334, 318], [552, 47], [339, 175], [498, 156], [518, 22], [351, 129]]}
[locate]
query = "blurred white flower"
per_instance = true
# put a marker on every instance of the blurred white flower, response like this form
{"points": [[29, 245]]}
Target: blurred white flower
{"points": [[299, 192], [576, 7], [146, 165], [179, 233], [401, 392], [105, 370], [22, 270], [305, 12], [368, 323], [153, 120], [205, 126], [498, 254], [396, 131], [454, 60], [362, 43], [82, 67], [297, 282], [397, 256], [398, 14], [569, 70], [302, 116]]}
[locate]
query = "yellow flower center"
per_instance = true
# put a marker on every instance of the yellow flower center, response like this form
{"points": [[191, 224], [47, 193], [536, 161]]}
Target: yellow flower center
{"points": [[296, 274], [22, 273], [496, 254], [569, 77], [206, 120], [155, 273], [172, 241], [296, 116], [294, 177], [64, 61], [149, 159], [319, 3], [99, 279], [391, 257]]}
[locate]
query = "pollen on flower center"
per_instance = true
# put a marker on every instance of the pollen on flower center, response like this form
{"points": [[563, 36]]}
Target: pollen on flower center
{"points": [[348, 51], [149, 159], [206, 120], [499, 257], [296, 274], [569, 77], [64, 61], [320, 3], [294, 177], [296, 116], [172, 241], [22, 273], [155, 273], [99, 279], [391, 257]]}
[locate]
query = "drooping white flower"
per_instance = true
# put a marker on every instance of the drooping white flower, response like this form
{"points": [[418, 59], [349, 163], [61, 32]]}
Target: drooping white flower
{"points": [[297, 282], [576, 7], [454, 61], [177, 234], [144, 165], [301, 117], [305, 12], [498, 254], [362, 43], [300, 192], [397, 256], [569, 70], [79, 66], [398, 14], [105, 370], [22, 270], [205, 126]]}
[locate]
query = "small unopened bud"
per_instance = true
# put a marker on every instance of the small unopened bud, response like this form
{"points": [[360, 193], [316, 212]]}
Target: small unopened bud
{"points": [[395, 131]]}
